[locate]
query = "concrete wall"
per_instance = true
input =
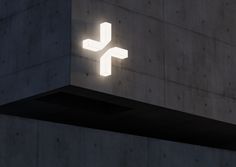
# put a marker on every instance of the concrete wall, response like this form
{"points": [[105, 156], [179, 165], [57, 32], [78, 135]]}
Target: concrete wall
{"points": [[181, 53], [31, 143], [34, 47], [181, 56]]}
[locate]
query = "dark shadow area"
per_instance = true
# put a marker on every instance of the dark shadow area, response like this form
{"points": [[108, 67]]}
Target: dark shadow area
{"points": [[76, 106]]}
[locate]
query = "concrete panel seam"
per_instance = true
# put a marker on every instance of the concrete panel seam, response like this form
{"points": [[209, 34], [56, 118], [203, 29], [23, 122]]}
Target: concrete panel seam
{"points": [[32, 66], [200, 89]]}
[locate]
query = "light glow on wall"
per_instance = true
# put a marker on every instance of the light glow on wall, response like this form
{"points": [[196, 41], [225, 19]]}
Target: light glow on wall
{"points": [[106, 58]]}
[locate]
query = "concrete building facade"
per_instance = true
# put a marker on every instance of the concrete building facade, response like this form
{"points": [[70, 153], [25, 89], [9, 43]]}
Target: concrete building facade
{"points": [[176, 88]]}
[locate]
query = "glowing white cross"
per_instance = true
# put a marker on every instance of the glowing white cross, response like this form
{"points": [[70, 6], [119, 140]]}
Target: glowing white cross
{"points": [[95, 46]]}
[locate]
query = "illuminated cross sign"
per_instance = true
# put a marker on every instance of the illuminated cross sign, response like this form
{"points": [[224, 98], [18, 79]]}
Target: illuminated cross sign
{"points": [[105, 39]]}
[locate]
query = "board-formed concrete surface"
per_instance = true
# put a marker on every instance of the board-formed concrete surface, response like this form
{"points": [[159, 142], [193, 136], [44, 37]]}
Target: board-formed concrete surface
{"points": [[33, 143]]}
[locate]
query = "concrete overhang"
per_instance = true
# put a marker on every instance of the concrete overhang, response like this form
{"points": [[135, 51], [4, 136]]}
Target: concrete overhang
{"points": [[46, 73], [84, 107]]}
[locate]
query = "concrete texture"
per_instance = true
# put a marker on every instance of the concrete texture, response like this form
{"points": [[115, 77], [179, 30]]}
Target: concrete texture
{"points": [[181, 56], [32, 143], [34, 47], [181, 53]]}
